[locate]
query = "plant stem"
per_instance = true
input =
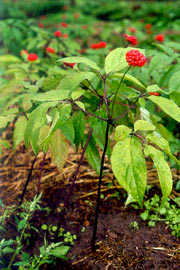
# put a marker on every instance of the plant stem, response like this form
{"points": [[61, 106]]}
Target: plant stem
{"points": [[118, 89], [27, 181], [93, 246], [105, 97], [66, 201], [40, 174]]}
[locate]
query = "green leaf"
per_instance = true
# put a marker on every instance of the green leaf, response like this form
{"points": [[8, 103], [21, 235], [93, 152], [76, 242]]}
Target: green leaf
{"points": [[92, 155], [155, 88], [163, 170], [80, 104], [129, 167], [80, 60], [21, 224], [143, 125], [79, 127], [77, 94], [160, 142], [37, 118], [58, 149], [130, 78], [72, 81], [51, 95], [116, 59], [7, 250], [121, 132], [59, 252], [9, 59], [168, 106], [174, 81], [159, 61], [19, 130], [67, 130], [4, 120], [43, 145]]}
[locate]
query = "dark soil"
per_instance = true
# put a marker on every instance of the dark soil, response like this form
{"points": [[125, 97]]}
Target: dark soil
{"points": [[118, 245]]}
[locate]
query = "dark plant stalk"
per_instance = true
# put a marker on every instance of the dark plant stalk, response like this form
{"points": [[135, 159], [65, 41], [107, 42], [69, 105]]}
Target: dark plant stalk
{"points": [[66, 201], [40, 174], [93, 246], [118, 90], [27, 181]]}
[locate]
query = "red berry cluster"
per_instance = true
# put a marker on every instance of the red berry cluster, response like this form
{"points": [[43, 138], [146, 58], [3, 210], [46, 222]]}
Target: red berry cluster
{"points": [[57, 33], [64, 24], [131, 39], [50, 50], [99, 45], [32, 57], [135, 58], [159, 38], [154, 94], [69, 64]]}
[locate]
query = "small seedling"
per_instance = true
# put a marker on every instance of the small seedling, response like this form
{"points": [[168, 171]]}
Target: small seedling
{"points": [[134, 226]]}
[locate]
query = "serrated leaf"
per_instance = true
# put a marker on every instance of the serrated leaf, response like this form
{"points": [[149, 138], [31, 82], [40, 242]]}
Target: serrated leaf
{"points": [[80, 60], [143, 125], [58, 149], [51, 95], [59, 252], [116, 59], [163, 170], [121, 132], [129, 167], [72, 81], [19, 130], [130, 78], [168, 106]]}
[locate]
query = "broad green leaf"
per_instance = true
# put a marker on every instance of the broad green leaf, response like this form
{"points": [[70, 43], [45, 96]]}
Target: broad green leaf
{"points": [[42, 144], [80, 104], [175, 96], [174, 82], [160, 142], [76, 94], [143, 125], [51, 95], [130, 78], [51, 82], [58, 149], [116, 59], [163, 170], [71, 82], [59, 252], [80, 60], [92, 155], [19, 130], [121, 132], [129, 167], [9, 59], [168, 106], [37, 118], [164, 48], [79, 127], [159, 61], [67, 130]]}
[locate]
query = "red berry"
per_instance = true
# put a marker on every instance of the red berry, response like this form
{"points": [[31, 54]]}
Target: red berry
{"points": [[32, 57], [132, 29], [84, 27], [64, 16], [23, 52], [135, 58], [65, 35], [154, 94], [148, 26], [64, 24], [131, 39], [76, 15], [50, 50], [102, 44], [43, 17], [41, 25], [149, 31], [65, 7], [151, 93], [69, 64], [159, 38]]}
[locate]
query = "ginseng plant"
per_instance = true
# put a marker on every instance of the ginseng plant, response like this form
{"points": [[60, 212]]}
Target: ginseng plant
{"points": [[112, 102]]}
